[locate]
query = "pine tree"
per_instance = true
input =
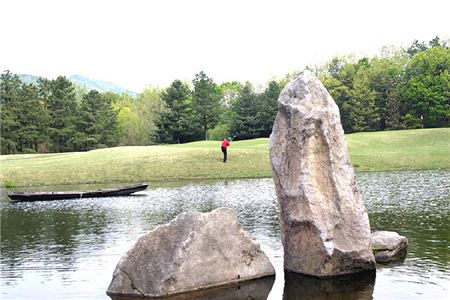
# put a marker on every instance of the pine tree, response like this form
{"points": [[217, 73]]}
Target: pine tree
{"points": [[33, 119], [364, 113], [267, 108], [244, 123], [61, 103], [176, 124], [206, 102], [97, 122], [9, 99]]}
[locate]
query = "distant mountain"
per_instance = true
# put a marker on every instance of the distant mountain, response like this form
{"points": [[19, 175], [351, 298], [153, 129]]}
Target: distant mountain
{"points": [[84, 82], [101, 86], [26, 78]]}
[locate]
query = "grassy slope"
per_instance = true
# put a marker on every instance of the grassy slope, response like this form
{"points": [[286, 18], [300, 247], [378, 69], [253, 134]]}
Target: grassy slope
{"points": [[400, 150], [377, 151]]}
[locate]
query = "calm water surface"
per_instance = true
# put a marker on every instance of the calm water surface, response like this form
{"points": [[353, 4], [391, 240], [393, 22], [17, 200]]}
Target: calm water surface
{"points": [[69, 249]]}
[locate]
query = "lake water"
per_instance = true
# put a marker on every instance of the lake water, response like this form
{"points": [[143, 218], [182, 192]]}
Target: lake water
{"points": [[68, 249]]}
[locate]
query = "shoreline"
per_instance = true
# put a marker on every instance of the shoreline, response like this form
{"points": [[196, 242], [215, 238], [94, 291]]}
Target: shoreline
{"points": [[173, 180]]}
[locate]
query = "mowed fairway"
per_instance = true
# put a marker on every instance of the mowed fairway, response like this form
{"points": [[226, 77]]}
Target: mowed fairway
{"points": [[400, 150], [376, 151]]}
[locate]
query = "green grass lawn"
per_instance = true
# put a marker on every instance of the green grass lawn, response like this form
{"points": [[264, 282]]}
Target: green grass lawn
{"points": [[400, 150], [376, 151]]}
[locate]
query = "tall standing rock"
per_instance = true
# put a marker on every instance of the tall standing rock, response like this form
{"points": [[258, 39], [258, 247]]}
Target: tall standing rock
{"points": [[324, 224]]}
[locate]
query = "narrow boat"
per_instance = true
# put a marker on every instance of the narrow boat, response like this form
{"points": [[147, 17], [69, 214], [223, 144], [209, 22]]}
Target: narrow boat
{"points": [[111, 192]]}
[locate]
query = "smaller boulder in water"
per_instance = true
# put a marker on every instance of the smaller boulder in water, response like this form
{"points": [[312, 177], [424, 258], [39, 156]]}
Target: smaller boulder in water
{"points": [[194, 252], [388, 246]]}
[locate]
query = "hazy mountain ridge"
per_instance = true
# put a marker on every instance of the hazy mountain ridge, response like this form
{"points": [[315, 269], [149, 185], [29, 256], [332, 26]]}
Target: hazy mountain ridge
{"points": [[101, 86], [84, 82]]}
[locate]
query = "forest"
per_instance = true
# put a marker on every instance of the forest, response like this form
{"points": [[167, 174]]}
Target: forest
{"points": [[396, 89]]}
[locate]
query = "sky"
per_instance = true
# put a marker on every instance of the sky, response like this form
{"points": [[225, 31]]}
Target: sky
{"points": [[140, 43]]}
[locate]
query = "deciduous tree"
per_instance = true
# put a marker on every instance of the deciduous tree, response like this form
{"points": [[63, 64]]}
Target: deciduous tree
{"points": [[427, 88]]}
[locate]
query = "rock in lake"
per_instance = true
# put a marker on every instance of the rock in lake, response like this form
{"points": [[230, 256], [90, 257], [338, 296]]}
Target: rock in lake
{"points": [[195, 251], [389, 246], [325, 228]]}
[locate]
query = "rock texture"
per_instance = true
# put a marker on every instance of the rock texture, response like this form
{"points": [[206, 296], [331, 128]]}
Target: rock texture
{"points": [[389, 246], [194, 252], [324, 224]]}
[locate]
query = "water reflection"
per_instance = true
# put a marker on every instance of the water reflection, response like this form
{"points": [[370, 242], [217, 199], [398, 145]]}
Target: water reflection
{"points": [[255, 290], [416, 205], [358, 286], [71, 247], [49, 238]]}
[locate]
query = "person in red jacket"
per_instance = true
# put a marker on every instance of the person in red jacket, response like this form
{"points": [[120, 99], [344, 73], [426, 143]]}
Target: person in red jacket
{"points": [[225, 145]]}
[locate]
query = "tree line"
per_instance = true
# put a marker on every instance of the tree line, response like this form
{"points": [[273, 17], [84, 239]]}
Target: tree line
{"points": [[398, 89], [49, 117]]}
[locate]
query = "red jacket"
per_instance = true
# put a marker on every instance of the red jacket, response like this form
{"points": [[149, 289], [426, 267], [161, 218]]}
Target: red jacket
{"points": [[225, 143]]}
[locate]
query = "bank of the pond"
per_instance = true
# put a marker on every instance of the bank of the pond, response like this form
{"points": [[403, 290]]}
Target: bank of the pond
{"points": [[375, 151]]}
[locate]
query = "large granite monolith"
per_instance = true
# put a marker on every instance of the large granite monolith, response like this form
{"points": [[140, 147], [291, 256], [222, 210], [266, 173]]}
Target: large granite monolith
{"points": [[194, 252], [324, 224]]}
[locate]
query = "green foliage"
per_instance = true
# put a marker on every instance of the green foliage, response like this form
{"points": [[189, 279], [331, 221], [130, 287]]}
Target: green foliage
{"points": [[230, 92], [97, 122], [338, 76], [412, 122], [252, 114], [61, 104], [176, 123], [398, 90], [24, 117], [386, 77], [219, 132], [8, 183], [137, 117], [427, 90], [206, 102], [149, 105], [129, 127], [46, 116], [267, 108], [9, 110], [363, 110], [416, 47], [244, 123]]}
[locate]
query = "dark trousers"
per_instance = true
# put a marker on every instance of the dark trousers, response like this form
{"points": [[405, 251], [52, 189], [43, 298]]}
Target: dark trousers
{"points": [[224, 151]]}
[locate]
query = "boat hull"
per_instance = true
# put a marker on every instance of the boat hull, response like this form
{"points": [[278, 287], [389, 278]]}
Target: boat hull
{"points": [[45, 196]]}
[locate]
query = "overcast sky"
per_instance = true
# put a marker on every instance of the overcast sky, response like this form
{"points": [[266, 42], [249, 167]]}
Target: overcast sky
{"points": [[136, 43]]}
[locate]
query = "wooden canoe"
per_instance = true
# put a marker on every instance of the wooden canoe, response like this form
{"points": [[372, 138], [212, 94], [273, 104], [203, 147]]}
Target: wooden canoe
{"points": [[111, 192]]}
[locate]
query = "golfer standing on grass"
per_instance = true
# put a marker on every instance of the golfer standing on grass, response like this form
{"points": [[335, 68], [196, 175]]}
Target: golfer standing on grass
{"points": [[225, 145]]}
